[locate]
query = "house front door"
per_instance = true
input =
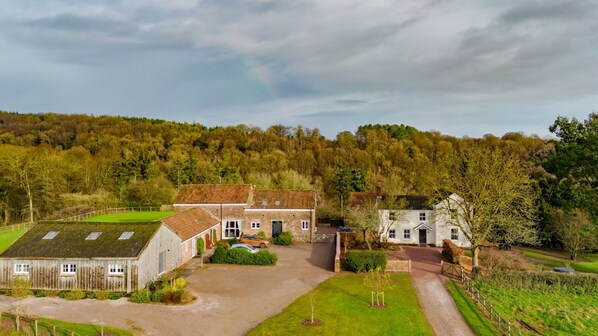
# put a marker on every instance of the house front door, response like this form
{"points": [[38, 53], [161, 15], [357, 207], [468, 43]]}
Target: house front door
{"points": [[423, 236], [276, 228], [208, 241]]}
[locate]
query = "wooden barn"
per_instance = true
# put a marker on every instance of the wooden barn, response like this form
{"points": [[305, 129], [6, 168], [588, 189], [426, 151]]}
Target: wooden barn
{"points": [[91, 256]]}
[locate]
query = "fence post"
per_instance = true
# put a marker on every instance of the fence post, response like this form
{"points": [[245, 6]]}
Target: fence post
{"points": [[54, 330], [35, 327], [441, 266]]}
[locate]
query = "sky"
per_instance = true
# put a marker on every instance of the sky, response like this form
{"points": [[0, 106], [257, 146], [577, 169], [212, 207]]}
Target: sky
{"points": [[464, 68]]}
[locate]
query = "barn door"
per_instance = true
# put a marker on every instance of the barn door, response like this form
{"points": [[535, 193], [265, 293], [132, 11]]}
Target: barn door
{"points": [[161, 263]]}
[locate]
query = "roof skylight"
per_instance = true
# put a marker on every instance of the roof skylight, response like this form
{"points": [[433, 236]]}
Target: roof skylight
{"points": [[126, 235], [93, 236], [50, 235]]}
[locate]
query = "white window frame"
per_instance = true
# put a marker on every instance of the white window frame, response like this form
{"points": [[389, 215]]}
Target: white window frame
{"points": [[116, 269], [392, 234], [21, 268], [423, 216], [406, 234], [226, 229], [68, 269], [454, 234], [256, 225], [304, 225]]}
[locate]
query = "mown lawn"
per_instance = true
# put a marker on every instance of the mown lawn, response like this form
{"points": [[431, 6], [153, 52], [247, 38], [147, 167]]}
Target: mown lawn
{"points": [[77, 328], [551, 259], [131, 217], [342, 304], [550, 312], [478, 323], [7, 238]]}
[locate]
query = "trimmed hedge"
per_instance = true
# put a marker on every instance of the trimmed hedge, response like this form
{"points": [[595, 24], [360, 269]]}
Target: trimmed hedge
{"points": [[243, 257], [365, 260], [451, 251], [284, 238]]}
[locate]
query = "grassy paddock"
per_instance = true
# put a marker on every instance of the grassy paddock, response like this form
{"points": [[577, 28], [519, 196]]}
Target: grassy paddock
{"points": [[478, 323], [7, 238], [341, 303], [588, 263], [131, 217], [78, 328]]}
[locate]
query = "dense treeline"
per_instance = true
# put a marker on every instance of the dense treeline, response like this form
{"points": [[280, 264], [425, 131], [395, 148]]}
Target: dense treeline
{"points": [[50, 161]]}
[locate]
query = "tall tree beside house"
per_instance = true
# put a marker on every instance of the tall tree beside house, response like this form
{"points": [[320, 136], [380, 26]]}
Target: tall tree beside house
{"points": [[493, 193], [365, 218], [396, 212], [348, 180]]}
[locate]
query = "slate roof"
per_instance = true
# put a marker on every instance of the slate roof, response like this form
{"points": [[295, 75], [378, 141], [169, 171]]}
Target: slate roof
{"points": [[189, 223], [71, 243], [283, 199], [213, 194], [414, 202]]}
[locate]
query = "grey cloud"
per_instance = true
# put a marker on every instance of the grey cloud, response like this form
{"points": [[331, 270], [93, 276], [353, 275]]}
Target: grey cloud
{"points": [[543, 10]]}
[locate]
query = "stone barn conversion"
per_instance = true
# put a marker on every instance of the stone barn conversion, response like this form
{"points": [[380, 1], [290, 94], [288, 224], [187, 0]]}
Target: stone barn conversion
{"points": [[91, 256], [242, 209]]}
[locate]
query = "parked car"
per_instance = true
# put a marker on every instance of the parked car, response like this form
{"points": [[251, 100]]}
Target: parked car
{"points": [[249, 248], [254, 241]]}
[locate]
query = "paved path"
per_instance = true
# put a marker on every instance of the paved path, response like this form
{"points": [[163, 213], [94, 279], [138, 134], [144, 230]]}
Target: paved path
{"points": [[438, 305], [231, 299]]}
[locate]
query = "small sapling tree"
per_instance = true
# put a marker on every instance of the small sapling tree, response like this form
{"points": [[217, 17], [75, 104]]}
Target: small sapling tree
{"points": [[377, 281]]}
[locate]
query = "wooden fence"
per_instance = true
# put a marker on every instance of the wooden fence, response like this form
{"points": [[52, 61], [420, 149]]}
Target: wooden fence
{"points": [[337, 255], [398, 265], [110, 211], [15, 227], [37, 327], [504, 326]]}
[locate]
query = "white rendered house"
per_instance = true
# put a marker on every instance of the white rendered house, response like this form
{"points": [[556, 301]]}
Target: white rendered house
{"points": [[419, 222]]}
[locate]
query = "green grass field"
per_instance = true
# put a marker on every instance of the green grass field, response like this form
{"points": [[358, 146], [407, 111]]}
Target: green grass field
{"points": [[478, 323], [7, 238], [77, 328], [131, 217], [342, 304], [550, 259], [550, 312]]}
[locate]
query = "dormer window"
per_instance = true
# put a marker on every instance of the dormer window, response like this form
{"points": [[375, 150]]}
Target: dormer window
{"points": [[51, 235], [93, 236]]}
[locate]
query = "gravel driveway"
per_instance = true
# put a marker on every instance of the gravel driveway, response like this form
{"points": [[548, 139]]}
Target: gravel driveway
{"points": [[231, 299], [438, 305]]}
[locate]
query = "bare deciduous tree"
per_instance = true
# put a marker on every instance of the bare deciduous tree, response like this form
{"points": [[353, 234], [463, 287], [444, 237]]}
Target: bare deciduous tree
{"points": [[575, 230]]}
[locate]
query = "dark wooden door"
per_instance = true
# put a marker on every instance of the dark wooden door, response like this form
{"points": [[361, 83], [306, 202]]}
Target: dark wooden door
{"points": [[423, 237], [276, 228]]}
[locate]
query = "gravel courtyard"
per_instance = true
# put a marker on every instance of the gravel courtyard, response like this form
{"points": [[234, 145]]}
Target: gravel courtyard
{"points": [[231, 299]]}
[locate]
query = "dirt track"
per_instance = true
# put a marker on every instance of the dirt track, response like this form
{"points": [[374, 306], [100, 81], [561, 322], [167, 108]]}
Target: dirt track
{"points": [[231, 299]]}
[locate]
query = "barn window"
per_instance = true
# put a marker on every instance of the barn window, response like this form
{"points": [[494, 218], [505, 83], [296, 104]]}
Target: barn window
{"points": [[255, 225], [93, 236], [21, 268], [51, 235], [304, 225], [454, 234], [69, 268], [126, 235], [232, 229], [116, 269]]}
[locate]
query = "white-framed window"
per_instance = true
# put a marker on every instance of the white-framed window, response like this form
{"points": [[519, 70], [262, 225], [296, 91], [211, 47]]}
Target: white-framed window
{"points": [[21, 268], [304, 225], [116, 269], [93, 236], [232, 229], [255, 225], [392, 234], [454, 234], [69, 268], [406, 234], [422, 216], [392, 215]]}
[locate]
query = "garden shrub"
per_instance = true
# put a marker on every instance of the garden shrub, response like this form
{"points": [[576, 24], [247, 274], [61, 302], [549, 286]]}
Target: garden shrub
{"points": [[243, 257], [201, 246], [233, 241], [141, 296], [40, 293], [542, 282], [102, 295], [90, 295], [220, 256], [74, 295], [223, 243], [158, 295], [285, 238], [364, 260], [179, 283], [261, 235], [451, 251], [495, 260], [115, 295]]}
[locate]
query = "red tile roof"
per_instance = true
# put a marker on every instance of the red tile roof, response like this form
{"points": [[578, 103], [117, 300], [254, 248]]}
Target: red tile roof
{"points": [[189, 223], [213, 194], [283, 199]]}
